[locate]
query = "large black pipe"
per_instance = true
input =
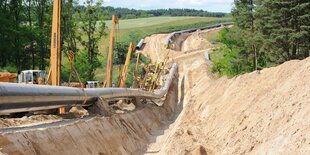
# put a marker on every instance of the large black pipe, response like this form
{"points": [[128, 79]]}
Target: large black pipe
{"points": [[170, 38]]}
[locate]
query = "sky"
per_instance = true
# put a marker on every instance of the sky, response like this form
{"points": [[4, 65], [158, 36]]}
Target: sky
{"points": [[207, 5]]}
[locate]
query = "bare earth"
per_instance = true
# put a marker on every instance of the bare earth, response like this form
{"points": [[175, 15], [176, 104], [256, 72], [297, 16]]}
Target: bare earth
{"points": [[28, 121], [257, 113], [264, 112]]}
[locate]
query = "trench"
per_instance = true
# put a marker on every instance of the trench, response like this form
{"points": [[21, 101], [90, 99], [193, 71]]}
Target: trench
{"points": [[127, 133]]}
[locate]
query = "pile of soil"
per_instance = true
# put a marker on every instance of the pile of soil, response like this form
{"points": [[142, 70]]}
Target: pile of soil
{"points": [[263, 112]]}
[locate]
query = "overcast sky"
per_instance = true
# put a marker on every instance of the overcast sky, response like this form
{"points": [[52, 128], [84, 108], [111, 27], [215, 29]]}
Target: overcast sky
{"points": [[208, 5]]}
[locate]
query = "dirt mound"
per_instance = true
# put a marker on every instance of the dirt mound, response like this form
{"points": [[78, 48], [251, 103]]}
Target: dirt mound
{"points": [[196, 41], [262, 112], [155, 50], [184, 43]]}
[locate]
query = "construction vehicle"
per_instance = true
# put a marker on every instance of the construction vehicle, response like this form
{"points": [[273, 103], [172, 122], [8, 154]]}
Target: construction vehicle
{"points": [[25, 77], [92, 84], [32, 77]]}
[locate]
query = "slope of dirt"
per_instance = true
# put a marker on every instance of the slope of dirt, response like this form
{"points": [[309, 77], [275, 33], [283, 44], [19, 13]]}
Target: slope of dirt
{"points": [[155, 50], [257, 113], [185, 43], [197, 41]]}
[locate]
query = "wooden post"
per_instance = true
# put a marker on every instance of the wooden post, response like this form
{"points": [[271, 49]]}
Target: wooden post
{"points": [[137, 63], [135, 73], [110, 55], [123, 78]]}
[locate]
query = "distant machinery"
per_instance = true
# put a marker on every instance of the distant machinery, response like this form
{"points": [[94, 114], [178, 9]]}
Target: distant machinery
{"points": [[32, 77]]}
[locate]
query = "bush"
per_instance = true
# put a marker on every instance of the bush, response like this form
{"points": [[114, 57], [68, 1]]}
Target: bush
{"points": [[10, 68]]}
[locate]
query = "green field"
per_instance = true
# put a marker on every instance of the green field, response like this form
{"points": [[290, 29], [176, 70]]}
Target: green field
{"points": [[135, 29], [159, 21]]}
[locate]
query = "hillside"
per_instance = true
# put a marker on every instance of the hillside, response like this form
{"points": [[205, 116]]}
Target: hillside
{"points": [[256, 113]]}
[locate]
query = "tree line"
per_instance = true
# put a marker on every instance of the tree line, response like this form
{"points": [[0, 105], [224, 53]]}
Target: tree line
{"points": [[266, 33], [125, 13]]}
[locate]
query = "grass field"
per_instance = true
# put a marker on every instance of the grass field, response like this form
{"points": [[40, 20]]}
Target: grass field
{"points": [[131, 29], [159, 21]]}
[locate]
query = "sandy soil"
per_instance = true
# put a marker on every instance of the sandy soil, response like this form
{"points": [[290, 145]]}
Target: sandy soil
{"points": [[186, 43], [154, 48], [28, 121], [197, 41], [257, 113]]}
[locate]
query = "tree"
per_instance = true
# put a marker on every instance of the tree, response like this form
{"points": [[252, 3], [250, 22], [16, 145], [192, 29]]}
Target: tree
{"points": [[243, 14], [93, 27], [120, 52], [69, 25], [268, 31], [285, 27]]}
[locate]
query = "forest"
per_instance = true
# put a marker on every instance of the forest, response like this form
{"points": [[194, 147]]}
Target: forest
{"points": [[266, 33]]}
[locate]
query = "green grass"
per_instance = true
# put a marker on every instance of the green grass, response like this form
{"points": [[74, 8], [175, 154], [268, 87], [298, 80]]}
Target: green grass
{"points": [[143, 27], [213, 36], [159, 21]]}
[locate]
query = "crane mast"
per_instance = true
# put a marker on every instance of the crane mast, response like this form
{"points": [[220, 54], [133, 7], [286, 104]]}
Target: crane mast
{"points": [[55, 58], [110, 54]]}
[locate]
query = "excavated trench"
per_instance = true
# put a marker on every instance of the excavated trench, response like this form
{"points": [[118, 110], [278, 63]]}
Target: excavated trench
{"points": [[118, 134]]}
